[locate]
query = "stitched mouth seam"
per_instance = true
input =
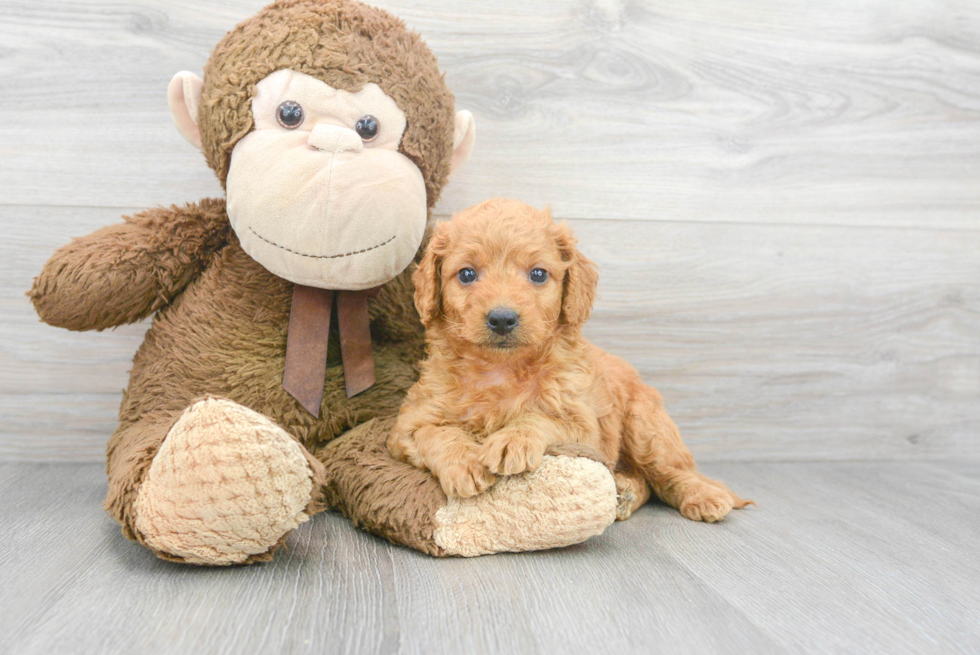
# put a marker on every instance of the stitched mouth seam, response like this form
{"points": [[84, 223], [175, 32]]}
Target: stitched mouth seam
{"points": [[303, 254]]}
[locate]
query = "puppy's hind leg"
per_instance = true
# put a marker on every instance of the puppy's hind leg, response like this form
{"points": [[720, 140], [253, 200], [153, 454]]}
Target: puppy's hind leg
{"points": [[653, 445], [632, 493]]}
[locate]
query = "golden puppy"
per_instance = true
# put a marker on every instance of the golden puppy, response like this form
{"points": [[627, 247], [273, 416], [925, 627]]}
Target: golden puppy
{"points": [[503, 293]]}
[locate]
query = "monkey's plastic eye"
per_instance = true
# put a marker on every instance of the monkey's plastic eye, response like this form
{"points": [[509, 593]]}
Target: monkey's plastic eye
{"points": [[367, 128], [538, 276], [290, 114], [467, 275]]}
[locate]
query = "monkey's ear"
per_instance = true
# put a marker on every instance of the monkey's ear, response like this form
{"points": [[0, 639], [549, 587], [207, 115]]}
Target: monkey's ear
{"points": [[463, 138], [184, 97], [428, 292]]}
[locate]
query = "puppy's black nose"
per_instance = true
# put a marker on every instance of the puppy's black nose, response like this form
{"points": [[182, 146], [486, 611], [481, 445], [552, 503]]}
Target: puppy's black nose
{"points": [[502, 320]]}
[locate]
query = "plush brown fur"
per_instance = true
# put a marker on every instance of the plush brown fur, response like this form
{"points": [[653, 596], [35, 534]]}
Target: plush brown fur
{"points": [[123, 273], [220, 321], [489, 405], [221, 332]]}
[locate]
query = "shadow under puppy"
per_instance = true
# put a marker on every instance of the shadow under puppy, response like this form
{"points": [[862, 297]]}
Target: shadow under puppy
{"points": [[503, 293]]}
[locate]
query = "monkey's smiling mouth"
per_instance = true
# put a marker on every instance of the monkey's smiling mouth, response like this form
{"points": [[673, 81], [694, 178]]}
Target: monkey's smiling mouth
{"points": [[337, 256]]}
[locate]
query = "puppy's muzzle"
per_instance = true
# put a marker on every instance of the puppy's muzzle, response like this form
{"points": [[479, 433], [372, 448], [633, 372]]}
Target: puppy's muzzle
{"points": [[502, 320]]}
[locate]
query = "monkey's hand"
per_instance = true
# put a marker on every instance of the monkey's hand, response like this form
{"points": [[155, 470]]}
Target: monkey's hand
{"points": [[124, 272]]}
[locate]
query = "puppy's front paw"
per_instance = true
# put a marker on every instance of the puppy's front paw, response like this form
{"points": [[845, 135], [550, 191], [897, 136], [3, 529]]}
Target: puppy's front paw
{"points": [[465, 478], [508, 452], [708, 503]]}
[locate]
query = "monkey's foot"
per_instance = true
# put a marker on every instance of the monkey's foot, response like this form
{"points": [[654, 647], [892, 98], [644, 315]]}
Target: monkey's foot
{"points": [[564, 501], [226, 486]]}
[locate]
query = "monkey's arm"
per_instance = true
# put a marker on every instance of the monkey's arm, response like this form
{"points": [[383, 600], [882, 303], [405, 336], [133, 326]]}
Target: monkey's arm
{"points": [[570, 498], [124, 272]]}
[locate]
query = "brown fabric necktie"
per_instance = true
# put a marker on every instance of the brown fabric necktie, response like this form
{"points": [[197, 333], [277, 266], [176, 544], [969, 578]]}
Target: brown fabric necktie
{"points": [[309, 334]]}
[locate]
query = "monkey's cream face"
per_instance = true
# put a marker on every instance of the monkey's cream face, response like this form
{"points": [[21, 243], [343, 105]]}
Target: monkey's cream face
{"points": [[318, 192]]}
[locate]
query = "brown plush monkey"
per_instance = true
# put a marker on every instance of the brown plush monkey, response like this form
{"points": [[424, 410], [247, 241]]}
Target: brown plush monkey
{"points": [[332, 131]]}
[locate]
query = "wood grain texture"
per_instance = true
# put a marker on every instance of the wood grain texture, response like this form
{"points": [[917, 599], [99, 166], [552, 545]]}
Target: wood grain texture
{"points": [[823, 113], [838, 557], [767, 342]]}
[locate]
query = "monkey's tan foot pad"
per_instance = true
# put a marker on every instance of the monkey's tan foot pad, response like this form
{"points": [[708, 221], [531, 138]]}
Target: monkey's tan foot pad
{"points": [[564, 502], [226, 485]]}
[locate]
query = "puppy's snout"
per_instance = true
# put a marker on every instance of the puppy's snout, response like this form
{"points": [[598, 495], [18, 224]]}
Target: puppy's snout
{"points": [[502, 320]]}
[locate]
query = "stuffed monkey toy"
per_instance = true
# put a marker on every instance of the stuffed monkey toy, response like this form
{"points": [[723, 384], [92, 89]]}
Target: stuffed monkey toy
{"points": [[284, 335]]}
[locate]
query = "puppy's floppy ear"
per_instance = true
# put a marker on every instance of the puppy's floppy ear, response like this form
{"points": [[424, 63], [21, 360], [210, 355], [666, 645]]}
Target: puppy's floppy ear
{"points": [[581, 279], [428, 291]]}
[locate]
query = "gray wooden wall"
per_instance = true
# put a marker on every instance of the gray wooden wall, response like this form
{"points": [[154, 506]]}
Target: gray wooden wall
{"points": [[783, 197]]}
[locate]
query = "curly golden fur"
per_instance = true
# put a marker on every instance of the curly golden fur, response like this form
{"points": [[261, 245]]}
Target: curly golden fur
{"points": [[492, 399]]}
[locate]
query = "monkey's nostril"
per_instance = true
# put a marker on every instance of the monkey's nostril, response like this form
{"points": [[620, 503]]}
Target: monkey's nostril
{"points": [[502, 320]]}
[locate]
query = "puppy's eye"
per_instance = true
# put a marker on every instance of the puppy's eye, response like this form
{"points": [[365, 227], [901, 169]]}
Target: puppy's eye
{"points": [[467, 275], [538, 276], [367, 128], [290, 115]]}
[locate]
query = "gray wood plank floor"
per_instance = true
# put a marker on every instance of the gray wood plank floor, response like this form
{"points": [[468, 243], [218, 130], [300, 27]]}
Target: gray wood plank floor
{"points": [[840, 557]]}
